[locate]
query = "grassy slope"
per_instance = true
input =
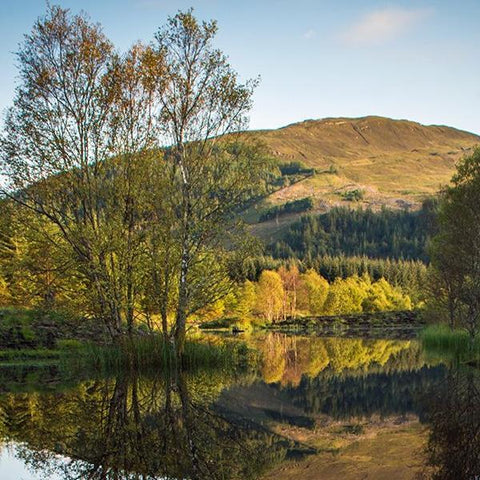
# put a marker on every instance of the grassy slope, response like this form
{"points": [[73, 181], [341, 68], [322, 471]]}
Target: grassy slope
{"points": [[396, 162]]}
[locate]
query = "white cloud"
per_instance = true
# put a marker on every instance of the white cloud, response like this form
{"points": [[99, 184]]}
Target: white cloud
{"points": [[309, 34], [383, 25]]}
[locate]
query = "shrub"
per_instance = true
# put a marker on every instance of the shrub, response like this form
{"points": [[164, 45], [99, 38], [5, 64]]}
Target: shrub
{"points": [[294, 206], [353, 195]]}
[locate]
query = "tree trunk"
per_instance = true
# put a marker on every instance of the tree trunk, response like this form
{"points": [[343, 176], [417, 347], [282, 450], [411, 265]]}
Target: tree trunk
{"points": [[181, 319], [182, 307], [164, 298], [129, 312]]}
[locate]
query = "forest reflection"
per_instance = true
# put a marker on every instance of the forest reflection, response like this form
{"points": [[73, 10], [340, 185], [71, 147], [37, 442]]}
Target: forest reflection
{"points": [[216, 423]]}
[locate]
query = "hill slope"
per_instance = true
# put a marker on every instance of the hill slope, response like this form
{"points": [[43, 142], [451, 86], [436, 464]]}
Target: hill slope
{"points": [[392, 162]]}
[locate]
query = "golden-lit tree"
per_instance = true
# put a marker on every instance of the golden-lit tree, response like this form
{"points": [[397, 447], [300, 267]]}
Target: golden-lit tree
{"points": [[381, 296], [290, 277], [270, 296], [345, 296], [312, 292]]}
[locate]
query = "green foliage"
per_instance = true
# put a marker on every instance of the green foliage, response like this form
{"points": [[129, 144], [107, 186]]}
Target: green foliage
{"points": [[381, 296], [456, 248], [35, 270], [353, 195], [241, 301], [294, 206], [312, 293], [294, 168], [345, 296]]}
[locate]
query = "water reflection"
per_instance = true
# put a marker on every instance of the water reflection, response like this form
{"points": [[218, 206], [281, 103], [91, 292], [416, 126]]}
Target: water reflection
{"points": [[136, 428], [286, 359], [214, 424], [454, 417]]}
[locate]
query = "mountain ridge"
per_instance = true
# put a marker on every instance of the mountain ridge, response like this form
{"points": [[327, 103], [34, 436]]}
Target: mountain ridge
{"points": [[363, 117], [334, 137]]}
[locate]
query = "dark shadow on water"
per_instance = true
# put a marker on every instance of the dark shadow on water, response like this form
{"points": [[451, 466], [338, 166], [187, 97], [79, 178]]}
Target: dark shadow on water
{"points": [[453, 409]]}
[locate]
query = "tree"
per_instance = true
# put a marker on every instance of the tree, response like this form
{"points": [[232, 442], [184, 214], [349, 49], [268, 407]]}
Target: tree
{"points": [[245, 300], [201, 101], [345, 296], [312, 292], [133, 161], [4, 293], [270, 295], [290, 278], [456, 248], [78, 125], [127, 159], [33, 261], [381, 297]]}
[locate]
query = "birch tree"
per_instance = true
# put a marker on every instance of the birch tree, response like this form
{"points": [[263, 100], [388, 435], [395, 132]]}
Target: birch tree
{"points": [[202, 101], [79, 128]]}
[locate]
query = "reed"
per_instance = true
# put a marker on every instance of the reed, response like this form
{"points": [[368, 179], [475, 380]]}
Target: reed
{"points": [[153, 352], [457, 344]]}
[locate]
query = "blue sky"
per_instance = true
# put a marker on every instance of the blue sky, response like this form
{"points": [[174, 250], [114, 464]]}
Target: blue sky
{"points": [[417, 60]]}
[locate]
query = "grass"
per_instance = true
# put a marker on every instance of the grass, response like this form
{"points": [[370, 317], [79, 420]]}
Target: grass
{"points": [[454, 344], [153, 352], [31, 337], [146, 352], [26, 354]]}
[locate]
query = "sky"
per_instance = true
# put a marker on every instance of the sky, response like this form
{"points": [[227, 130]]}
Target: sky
{"points": [[416, 60]]}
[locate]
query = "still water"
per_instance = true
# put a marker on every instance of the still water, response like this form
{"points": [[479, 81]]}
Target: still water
{"points": [[309, 408]]}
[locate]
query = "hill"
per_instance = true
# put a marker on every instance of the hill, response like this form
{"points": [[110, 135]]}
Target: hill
{"points": [[396, 163]]}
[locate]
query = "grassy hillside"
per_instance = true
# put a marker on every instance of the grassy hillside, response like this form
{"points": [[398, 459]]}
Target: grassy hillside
{"points": [[391, 162]]}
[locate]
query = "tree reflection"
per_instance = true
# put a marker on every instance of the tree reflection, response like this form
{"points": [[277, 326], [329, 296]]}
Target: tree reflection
{"points": [[454, 414], [135, 428], [286, 359], [212, 424]]}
